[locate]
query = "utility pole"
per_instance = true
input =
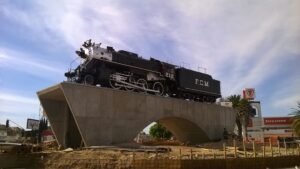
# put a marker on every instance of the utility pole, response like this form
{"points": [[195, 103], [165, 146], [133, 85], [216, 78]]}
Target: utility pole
{"points": [[7, 123]]}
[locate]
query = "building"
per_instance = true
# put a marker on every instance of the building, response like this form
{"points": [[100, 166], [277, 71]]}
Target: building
{"points": [[262, 129], [277, 127], [270, 128], [47, 135], [3, 133], [10, 134], [142, 137], [254, 128]]}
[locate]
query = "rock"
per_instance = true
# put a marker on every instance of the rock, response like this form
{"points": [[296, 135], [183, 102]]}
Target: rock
{"points": [[68, 150]]}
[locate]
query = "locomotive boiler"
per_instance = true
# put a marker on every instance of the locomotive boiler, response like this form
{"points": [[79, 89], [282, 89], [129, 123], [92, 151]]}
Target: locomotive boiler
{"points": [[125, 70]]}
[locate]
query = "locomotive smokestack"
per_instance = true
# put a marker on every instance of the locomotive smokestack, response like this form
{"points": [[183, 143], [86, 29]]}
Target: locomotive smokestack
{"points": [[87, 43]]}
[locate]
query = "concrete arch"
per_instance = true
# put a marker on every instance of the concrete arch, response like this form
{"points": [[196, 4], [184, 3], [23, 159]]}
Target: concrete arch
{"points": [[184, 130], [101, 116]]}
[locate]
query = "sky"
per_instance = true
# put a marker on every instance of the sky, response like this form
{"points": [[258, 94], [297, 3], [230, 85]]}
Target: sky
{"points": [[244, 44]]}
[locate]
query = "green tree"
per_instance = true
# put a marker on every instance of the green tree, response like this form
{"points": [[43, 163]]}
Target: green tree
{"points": [[244, 111], [43, 125], [296, 119], [159, 131], [235, 99]]}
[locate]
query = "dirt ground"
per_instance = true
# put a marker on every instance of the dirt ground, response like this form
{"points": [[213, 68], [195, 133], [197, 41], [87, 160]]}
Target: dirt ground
{"points": [[125, 155]]}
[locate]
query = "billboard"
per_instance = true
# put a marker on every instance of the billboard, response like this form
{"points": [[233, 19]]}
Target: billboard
{"points": [[32, 124], [249, 93], [278, 121]]}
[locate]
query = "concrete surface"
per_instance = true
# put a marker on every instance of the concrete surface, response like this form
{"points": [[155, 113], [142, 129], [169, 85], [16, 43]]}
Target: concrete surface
{"points": [[90, 115]]}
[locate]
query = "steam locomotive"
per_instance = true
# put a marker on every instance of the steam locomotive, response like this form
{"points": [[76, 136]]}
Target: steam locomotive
{"points": [[126, 70]]}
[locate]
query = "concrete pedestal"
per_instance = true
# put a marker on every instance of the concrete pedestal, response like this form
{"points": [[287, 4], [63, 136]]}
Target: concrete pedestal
{"points": [[101, 116]]}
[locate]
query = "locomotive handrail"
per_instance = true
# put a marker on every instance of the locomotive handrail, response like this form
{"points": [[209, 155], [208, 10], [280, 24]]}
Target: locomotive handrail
{"points": [[72, 63], [136, 86]]}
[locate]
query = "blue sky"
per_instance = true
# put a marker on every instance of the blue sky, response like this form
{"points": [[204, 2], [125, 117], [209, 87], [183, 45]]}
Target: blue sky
{"points": [[241, 43]]}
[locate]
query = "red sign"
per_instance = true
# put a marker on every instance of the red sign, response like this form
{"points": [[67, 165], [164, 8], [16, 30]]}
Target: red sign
{"points": [[250, 123], [249, 93], [278, 120], [47, 133]]}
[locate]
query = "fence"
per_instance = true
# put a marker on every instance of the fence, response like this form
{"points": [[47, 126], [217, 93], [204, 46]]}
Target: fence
{"points": [[229, 155], [245, 150]]}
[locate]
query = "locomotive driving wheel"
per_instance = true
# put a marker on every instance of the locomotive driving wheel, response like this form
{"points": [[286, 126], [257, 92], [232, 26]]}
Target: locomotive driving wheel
{"points": [[143, 84], [113, 83], [158, 86], [89, 79], [131, 81]]}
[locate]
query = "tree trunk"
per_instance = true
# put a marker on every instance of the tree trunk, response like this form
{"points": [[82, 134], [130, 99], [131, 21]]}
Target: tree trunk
{"points": [[244, 126], [239, 126]]}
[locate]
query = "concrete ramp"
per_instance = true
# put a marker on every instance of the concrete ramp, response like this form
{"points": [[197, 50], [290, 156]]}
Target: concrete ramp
{"points": [[90, 115]]}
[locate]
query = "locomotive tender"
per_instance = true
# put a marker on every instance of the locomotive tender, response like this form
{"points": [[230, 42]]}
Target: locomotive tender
{"points": [[126, 70]]}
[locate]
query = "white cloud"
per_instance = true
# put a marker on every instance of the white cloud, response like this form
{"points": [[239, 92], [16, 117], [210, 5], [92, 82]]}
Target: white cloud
{"points": [[21, 62], [289, 93], [241, 43], [15, 106], [18, 99], [18, 105], [77, 21], [287, 102]]}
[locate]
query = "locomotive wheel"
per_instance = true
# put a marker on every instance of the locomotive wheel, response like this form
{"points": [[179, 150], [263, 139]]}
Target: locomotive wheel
{"points": [[113, 84], [143, 84], [159, 87], [89, 79], [132, 81]]}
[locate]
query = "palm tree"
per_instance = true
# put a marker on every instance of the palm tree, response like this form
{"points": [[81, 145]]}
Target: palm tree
{"points": [[296, 120], [235, 99], [244, 111]]}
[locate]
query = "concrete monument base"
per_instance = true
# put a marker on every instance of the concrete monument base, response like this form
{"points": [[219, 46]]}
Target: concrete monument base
{"points": [[82, 114]]}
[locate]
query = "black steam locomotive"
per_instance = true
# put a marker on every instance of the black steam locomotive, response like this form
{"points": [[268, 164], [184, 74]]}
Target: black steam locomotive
{"points": [[126, 70]]}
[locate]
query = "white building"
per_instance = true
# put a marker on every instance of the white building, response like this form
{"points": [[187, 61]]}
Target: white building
{"points": [[142, 137], [254, 128], [3, 133]]}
